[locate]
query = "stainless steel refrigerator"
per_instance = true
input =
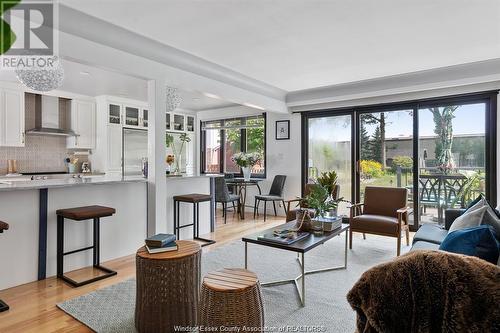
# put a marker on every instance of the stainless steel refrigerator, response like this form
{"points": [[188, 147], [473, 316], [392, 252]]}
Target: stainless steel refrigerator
{"points": [[135, 151]]}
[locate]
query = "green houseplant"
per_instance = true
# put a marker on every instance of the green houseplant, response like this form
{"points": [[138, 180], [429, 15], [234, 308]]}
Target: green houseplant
{"points": [[170, 142], [321, 202]]}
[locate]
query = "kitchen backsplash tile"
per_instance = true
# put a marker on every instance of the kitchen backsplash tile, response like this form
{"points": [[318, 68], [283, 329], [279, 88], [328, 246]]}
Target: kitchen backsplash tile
{"points": [[41, 153]]}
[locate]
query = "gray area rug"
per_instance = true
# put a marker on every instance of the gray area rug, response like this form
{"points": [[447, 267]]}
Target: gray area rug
{"points": [[111, 309]]}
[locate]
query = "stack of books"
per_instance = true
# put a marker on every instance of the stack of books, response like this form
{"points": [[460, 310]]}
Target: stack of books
{"points": [[161, 243]]}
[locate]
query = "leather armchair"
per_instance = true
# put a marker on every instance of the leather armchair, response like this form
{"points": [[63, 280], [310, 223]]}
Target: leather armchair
{"points": [[292, 213], [384, 212]]}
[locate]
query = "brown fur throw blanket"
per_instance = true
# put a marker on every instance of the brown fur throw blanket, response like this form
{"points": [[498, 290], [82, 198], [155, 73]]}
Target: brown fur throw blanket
{"points": [[428, 291]]}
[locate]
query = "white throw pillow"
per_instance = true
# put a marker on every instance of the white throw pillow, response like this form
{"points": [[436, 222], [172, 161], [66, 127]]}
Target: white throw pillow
{"points": [[471, 218], [491, 219]]}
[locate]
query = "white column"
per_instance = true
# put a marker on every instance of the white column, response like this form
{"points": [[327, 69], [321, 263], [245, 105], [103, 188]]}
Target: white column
{"points": [[157, 193]]}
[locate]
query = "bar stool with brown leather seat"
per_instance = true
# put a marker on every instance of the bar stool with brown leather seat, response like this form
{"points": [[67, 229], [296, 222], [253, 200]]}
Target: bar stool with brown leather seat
{"points": [[195, 199], [3, 305], [80, 214]]}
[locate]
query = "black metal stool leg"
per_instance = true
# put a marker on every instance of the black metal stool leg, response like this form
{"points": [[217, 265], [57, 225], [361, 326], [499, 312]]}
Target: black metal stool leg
{"points": [[194, 220], [196, 217], [96, 261], [3, 306], [175, 218], [60, 246], [96, 242]]}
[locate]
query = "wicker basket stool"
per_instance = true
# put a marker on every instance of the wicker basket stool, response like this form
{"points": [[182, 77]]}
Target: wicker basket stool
{"points": [[231, 298], [168, 288]]}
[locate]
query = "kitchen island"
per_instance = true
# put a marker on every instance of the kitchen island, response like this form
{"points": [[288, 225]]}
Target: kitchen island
{"points": [[30, 206]]}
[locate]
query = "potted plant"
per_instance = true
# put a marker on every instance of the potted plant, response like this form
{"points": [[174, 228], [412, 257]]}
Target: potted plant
{"points": [[246, 161], [170, 142], [320, 201], [329, 181]]}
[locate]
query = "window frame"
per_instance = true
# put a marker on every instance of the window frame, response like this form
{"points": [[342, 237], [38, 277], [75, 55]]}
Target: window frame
{"points": [[243, 146], [487, 97]]}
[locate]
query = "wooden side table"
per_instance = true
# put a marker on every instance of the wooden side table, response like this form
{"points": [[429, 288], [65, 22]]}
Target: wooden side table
{"points": [[231, 298], [168, 288]]}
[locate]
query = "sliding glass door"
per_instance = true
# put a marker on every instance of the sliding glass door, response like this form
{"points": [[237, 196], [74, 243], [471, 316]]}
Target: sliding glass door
{"points": [[385, 152], [330, 148], [442, 150], [452, 157]]}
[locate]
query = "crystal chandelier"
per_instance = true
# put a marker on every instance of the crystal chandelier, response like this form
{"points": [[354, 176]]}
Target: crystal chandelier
{"points": [[173, 99], [42, 79]]}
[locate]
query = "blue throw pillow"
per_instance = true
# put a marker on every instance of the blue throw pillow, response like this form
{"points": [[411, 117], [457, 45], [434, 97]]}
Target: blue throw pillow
{"points": [[476, 241]]}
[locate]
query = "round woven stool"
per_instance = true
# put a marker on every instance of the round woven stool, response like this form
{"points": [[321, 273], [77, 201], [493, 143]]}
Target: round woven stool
{"points": [[231, 298], [168, 288]]}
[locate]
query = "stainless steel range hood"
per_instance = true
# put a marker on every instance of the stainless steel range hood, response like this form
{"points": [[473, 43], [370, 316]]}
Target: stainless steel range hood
{"points": [[48, 120]]}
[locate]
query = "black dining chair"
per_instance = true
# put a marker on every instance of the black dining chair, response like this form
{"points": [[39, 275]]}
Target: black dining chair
{"points": [[231, 187], [223, 196], [275, 194]]}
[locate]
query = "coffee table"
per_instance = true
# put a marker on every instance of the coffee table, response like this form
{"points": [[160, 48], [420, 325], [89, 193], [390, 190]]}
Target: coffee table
{"points": [[300, 247]]}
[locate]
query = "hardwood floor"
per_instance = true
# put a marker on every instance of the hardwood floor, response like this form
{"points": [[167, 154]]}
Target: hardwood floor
{"points": [[33, 305]]}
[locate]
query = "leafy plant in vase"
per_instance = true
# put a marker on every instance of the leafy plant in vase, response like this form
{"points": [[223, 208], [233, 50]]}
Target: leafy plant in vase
{"points": [[246, 161], [320, 201], [328, 180], [170, 142]]}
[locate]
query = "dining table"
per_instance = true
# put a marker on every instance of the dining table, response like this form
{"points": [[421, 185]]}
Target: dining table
{"points": [[240, 186]]}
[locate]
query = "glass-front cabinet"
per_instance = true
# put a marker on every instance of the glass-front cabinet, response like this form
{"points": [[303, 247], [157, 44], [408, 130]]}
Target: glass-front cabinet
{"points": [[144, 118], [168, 121], [178, 122], [132, 116], [114, 114], [189, 123]]}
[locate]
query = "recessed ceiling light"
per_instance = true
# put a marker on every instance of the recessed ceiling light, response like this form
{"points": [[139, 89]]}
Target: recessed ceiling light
{"points": [[196, 99], [85, 73]]}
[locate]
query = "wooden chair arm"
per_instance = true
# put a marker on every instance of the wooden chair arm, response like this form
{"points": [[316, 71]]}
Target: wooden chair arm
{"points": [[356, 209], [359, 204], [405, 211], [288, 202]]}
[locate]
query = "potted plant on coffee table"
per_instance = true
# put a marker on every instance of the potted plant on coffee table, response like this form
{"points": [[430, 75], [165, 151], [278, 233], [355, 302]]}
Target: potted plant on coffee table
{"points": [[318, 200]]}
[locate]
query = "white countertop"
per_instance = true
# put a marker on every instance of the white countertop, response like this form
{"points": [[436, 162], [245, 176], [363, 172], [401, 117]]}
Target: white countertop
{"points": [[192, 176], [6, 185]]}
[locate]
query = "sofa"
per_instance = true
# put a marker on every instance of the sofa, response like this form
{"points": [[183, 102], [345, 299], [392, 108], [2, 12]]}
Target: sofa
{"points": [[430, 236]]}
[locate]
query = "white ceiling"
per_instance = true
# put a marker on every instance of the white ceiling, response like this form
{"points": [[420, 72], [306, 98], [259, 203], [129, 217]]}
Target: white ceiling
{"points": [[195, 101], [301, 44], [92, 81]]}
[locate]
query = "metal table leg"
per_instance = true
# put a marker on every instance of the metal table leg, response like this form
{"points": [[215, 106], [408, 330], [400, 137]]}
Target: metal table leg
{"points": [[301, 290]]}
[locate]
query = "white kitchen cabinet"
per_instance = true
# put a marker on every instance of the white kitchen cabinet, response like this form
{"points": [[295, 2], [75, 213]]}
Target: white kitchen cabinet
{"points": [[145, 118], [114, 148], [83, 123], [12, 118], [113, 114], [189, 123]]}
